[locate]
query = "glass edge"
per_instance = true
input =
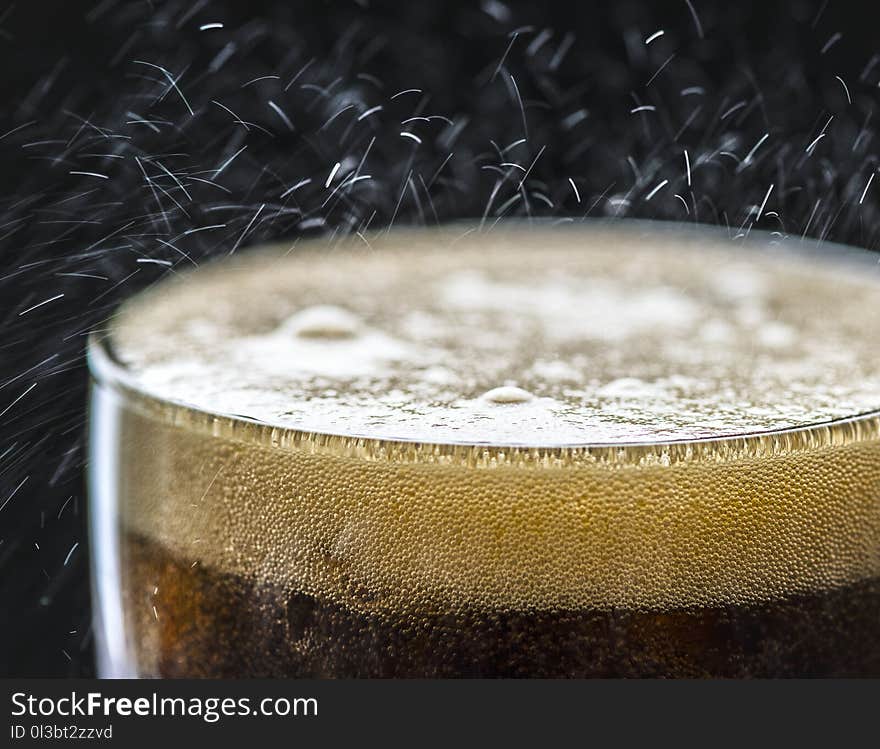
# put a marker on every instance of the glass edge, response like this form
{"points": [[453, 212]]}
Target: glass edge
{"points": [[106, 372]]}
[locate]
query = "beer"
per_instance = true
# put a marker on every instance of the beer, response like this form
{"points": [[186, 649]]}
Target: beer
{"points": [[529, 452]]}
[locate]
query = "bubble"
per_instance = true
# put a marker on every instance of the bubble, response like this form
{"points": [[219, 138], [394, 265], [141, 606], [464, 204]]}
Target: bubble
{"points": [[324, 321], [508, 394], [776, 335]]}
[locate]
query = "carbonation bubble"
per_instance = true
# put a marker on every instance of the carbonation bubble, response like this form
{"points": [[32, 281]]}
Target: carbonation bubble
{"points": [[323, 321], [507, 394]]}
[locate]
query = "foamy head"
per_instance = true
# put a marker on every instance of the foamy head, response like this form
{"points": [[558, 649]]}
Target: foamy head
{"points": [[536, 337]]}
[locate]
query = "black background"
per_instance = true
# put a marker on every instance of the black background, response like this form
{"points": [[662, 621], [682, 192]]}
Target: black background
{"points": [[80, 91]]}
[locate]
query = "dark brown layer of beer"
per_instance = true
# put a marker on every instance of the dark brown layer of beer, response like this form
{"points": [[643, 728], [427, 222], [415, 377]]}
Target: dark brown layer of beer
{"points": [[210, 624]]}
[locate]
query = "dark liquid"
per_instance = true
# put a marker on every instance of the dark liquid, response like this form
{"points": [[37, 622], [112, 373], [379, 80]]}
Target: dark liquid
{"points": [[210, 624]]}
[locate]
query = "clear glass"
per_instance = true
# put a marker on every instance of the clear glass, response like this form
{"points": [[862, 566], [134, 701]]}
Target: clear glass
{"points": [[164, 614], [225, 547]]}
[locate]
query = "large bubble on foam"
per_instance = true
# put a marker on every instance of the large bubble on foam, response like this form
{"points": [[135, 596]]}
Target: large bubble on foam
{"points": [[326, 321], [507, 394]]}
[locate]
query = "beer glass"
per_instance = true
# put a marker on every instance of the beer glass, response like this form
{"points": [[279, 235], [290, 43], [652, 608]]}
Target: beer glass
{"points": [[604, 451]]}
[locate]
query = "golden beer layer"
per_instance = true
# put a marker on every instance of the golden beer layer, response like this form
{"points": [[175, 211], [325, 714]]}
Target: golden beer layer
{"points": [[372, 525], [378, 524]]}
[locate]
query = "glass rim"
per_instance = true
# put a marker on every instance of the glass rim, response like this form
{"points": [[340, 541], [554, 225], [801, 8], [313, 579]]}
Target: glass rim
{"points": [[107, 371]]}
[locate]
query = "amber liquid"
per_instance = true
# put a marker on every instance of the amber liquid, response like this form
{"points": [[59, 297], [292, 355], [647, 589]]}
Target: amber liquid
{"points": [[223, 626]]}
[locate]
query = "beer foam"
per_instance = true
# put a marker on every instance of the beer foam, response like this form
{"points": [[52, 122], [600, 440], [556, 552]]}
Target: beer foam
{"points": [[535, 337]]}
